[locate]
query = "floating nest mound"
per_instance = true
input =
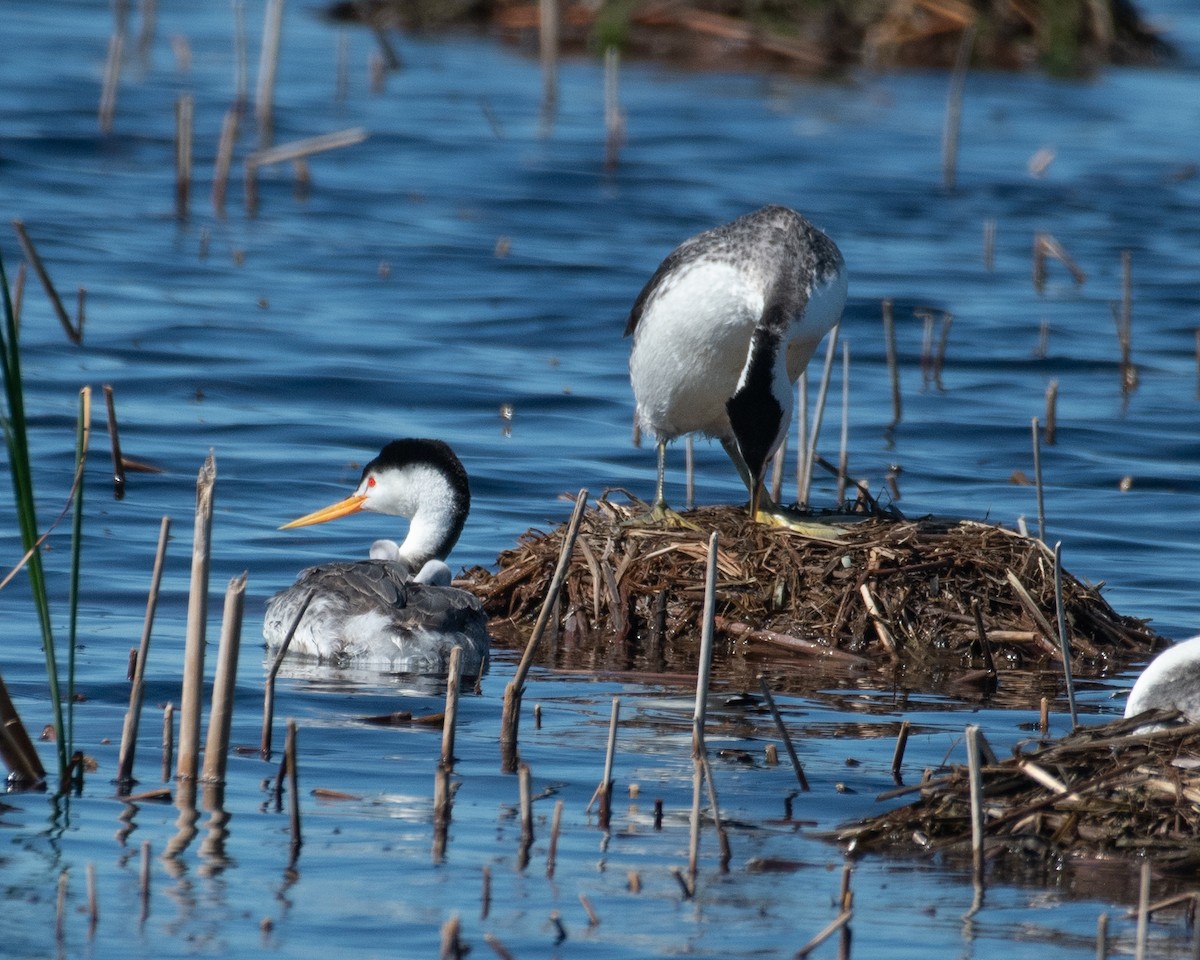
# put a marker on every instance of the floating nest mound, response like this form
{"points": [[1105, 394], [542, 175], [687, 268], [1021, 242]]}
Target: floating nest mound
{"points": [[864, 590], [802, 36], [1101, 792]]}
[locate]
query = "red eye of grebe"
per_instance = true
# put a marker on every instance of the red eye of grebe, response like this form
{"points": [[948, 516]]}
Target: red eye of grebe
{"points": [[370, 481]]}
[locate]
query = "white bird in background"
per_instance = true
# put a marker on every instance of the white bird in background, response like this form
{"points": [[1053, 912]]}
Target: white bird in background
{"points": [[1171, 680], [396, 611], [722, 331]]}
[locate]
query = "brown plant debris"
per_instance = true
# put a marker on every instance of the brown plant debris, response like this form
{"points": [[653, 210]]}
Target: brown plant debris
{"points": [[1101, 791], [886, 590]]}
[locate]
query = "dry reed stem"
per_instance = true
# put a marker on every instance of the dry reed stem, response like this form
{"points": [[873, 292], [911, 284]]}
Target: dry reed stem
{"points": [[954, 100], [114, 438], [137, 688], [184, 113], [555, 827], [108, 87], [224, 161], [453, 680], [510, 720], [273, 672], [31, 254], [783, 733], [833, 927], [614, 120], [216, 749], [292, 152], [548, 53], [605, 789], [16, 747], [168, 740], [268, 66], [193, 665], [818, 414]]}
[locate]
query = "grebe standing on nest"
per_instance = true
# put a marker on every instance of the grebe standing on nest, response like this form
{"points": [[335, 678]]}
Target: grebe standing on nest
{"points": [[397, 611], [722, 331], [1171, 680]]}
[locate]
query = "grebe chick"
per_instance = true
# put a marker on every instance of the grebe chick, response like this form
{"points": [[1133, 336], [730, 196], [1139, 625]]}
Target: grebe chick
{"points": [[397, 611]]}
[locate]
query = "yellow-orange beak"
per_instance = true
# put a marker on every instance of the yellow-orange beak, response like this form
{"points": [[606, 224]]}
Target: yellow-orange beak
{"points": [[342, 508]]}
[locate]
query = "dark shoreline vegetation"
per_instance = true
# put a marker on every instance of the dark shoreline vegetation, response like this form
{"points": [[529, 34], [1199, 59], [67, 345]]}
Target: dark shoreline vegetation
{"points": [[1063, 37]]}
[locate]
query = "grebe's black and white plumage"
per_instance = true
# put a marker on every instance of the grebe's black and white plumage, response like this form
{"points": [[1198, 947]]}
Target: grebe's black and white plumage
{"points": [[1171, 680], [723, 329], [396, 611]]}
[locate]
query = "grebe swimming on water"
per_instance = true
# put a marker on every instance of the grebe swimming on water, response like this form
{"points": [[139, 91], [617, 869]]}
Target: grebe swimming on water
{"points": [[396, 611], [722, 331]]}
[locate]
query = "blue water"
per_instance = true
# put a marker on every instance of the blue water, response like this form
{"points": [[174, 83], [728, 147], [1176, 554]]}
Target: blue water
{"points": [[467, 257]]}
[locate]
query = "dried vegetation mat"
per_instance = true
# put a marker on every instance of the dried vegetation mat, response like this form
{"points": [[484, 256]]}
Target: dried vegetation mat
{"points": [[1099, 792], [885, 590]]}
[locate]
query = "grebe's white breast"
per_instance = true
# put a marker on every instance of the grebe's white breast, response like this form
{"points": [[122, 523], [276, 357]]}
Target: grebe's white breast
{"points": [[1171, 680]]}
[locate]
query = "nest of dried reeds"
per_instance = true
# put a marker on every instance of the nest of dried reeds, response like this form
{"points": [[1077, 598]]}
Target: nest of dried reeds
{"points": [[876, 589], [1099, 792]]}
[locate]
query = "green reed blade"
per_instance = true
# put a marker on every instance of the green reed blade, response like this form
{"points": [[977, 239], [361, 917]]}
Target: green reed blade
{"points": [[18, 457]]}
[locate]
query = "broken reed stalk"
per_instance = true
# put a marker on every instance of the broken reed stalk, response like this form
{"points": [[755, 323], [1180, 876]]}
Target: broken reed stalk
{"points": [[224, 161], [114, 439], [525, 792], [289, 754], [843, 452], [974, 772], [510, 719], [168, 740], [898, 753], [453, 679], [703, 672], [216, 748], [1037, 480], [1050, 429], [1063, 641], [292, 152], [184, 112], [836, 924], [818, 414], [555, 827], [108, 87], [16, 748], [714, 803], [614, 124], [1143, 913], [1125, 323], [548, 53], [441, 810], [889, 345], [452, 947], [605, 789], [35, 261], [989, 244], [83, 433], [273, 672], [137, 688], [783, 733], [954, 101], [193, 658], [268, 66], [485, 892], [1045, 246]]}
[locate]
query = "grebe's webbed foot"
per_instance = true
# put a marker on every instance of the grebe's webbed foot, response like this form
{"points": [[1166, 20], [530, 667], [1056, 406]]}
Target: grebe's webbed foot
{"points": [[659, 515], [780, 516]]}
